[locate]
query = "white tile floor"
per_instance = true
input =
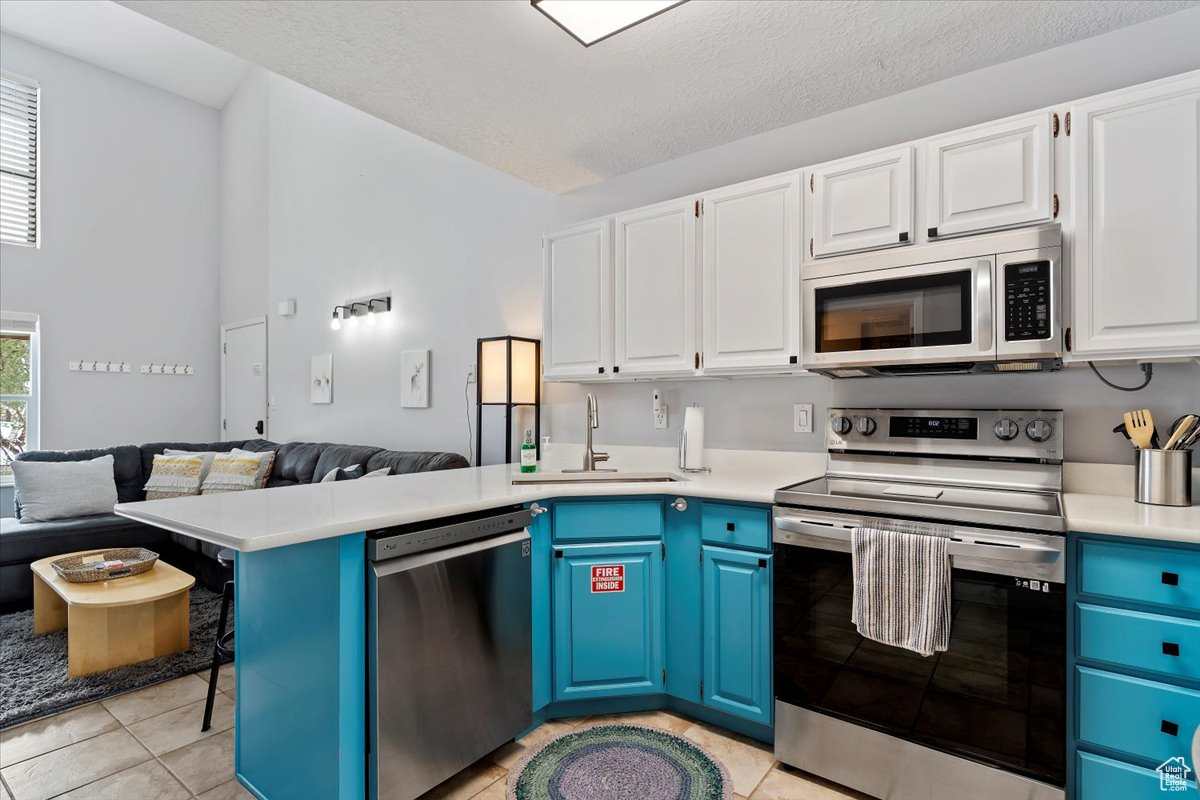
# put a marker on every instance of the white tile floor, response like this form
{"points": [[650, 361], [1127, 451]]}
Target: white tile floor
{"points": [[147, 745]]}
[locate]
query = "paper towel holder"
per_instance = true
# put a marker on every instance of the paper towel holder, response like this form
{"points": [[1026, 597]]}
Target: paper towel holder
{"points": [[683, 457]]}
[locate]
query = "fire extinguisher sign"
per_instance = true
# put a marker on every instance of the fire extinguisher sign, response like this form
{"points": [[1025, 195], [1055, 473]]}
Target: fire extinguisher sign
{"points": [[608, 578]]}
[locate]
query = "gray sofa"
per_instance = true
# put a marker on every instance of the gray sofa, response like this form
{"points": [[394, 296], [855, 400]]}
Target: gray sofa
{"points": [[295, 463]]}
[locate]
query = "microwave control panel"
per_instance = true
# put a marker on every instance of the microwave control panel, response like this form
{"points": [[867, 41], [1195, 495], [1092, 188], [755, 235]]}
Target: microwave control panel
{"points": [[1027, 301]]}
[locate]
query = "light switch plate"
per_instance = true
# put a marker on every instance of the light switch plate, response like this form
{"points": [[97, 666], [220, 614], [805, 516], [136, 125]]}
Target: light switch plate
{"points": [[802, 418]]}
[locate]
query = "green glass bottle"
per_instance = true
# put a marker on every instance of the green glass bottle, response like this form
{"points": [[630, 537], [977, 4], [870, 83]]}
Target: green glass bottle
{"points": [[528, 453]]}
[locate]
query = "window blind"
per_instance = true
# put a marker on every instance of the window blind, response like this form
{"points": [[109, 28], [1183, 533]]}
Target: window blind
{"points": [[18, 161]]}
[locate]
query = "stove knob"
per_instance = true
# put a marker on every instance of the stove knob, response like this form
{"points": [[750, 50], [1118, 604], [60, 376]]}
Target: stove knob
{"points": [[866, 426], [1039, 430], [841, 425], [1006, 429]]}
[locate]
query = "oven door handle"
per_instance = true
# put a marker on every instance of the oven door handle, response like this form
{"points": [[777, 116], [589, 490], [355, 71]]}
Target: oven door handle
{"points": [[839, 536]]}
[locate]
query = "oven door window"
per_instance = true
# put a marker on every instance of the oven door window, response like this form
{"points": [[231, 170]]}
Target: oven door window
{"points": [[996, 695], [920, 311]]}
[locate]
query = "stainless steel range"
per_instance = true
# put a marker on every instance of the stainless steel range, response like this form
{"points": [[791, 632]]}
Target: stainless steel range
{"points": [[987, 717]]}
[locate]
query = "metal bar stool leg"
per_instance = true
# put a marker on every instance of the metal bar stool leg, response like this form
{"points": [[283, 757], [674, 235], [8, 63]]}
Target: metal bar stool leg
{"points": [[218, 652]]}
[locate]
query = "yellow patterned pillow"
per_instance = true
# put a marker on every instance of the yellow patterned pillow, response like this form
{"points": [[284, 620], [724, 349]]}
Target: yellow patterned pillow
{"points": [[232, 473], [174, 476]]}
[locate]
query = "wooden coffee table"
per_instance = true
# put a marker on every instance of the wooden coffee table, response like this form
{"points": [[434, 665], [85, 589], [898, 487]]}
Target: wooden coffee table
{"points": [[115, 622]]}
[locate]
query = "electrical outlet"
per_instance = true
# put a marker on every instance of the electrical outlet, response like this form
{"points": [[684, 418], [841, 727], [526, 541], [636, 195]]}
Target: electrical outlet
{"points": [[802, 418], [271, 406], [470, 373], [660, 417]]}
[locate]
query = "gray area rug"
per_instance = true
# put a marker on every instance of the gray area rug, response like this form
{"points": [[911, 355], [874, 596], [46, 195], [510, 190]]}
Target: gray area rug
{"points": [[33, 669], [619, 762]]}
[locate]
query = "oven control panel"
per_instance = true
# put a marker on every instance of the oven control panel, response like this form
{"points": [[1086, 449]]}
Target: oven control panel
{"points": [[1033, 434], [1027, 301]]}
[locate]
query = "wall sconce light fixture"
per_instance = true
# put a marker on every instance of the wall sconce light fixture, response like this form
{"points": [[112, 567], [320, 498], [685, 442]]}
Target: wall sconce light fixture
{"points": [[360, 308]]}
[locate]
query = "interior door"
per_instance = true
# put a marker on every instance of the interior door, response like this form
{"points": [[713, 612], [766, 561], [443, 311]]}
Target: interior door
{"points": [[577, 301], [752, 274], [656, 289], [1135, 198], [244, 380], [990, 176], [862, 203]]}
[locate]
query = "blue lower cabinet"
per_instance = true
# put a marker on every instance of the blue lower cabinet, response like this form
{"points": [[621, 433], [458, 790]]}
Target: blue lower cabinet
{"points": [[685, 645], [608, 620], [1140, 717], [737, 633], [541, 554], [1100, 778]]}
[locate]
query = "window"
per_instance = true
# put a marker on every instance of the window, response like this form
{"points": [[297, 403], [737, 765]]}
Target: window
{"points": [[18, 388], [18, 161]]}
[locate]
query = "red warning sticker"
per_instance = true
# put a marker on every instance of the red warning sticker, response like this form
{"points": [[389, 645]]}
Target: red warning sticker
{"points": [[608, 578]]}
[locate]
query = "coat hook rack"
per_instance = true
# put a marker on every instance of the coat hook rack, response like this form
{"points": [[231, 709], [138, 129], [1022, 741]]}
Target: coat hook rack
{"points": [[95, 365], [168, 369]]}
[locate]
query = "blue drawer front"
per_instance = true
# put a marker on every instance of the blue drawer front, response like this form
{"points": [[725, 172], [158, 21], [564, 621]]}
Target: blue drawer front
{"points": [[736, 526], [1161, 575], [1169, 645], [611, 519], [1100, 778], [1135, 715]]}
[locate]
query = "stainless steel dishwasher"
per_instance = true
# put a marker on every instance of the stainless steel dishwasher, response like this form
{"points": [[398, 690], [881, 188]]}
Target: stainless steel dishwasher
{"points": [[449, 628]]}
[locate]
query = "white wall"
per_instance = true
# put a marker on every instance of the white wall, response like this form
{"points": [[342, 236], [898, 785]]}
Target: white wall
{"points": [[358, 207], [127, 270], [758, 413], [243, 269]]}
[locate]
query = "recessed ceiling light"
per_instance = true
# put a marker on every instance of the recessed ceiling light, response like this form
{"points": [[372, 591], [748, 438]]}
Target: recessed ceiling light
{"points": [[589, 21]]}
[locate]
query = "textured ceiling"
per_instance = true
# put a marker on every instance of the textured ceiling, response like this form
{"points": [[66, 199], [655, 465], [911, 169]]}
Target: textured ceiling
{"points": [[499, 82], [109, 36]]}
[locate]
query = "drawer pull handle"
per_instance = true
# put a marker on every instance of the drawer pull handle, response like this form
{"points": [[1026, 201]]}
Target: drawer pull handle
{"points": [[729, 526], [1170, 578], [1170, 648], [1169, 728]]}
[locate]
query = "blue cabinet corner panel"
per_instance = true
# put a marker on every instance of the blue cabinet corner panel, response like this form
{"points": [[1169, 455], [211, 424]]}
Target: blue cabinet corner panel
{"points": [[588, 521], [541, 553], [683, 592], [1152, 642], [1100, 778], [737, 633], [1145, 574], [608, 620], [731, 525]]}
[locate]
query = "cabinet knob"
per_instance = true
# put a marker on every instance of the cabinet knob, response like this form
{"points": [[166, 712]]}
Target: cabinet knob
{"points": [[536, 510], [1170, 578], [1169, 728], [1170, 648], [679, 504], [731, 527]]}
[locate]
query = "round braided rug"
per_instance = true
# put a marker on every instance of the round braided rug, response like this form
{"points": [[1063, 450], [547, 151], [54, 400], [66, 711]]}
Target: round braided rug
{"points": [[619, 762]]}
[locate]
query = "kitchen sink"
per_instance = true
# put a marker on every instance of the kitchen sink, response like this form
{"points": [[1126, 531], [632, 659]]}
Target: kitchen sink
{"points": [[598, 477]]}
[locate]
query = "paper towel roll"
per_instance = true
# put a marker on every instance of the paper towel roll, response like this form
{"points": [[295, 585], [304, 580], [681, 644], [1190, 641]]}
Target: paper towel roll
{"points": [[693, 430]]}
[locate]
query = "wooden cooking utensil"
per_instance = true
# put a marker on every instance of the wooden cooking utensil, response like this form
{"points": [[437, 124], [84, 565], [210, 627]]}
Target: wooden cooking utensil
{"points": [[1140, 425]]}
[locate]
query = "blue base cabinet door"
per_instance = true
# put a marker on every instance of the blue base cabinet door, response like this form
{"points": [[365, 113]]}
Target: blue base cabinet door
{"points": [[737, 633], [608, 620]]}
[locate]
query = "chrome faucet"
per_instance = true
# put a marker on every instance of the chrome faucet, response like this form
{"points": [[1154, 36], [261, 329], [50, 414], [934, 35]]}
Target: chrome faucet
{"points": [[590, 457]]}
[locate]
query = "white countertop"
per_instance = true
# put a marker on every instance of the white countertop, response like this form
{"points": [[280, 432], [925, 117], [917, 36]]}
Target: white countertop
{"points": [[266, 518], [1097, 498]]}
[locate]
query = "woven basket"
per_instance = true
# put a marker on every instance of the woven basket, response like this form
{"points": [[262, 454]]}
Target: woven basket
{"points": [[136, 560]]}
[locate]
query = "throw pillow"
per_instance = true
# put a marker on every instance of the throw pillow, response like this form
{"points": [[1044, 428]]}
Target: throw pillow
{"points": [[343, 473], [207, 455], [382, 472], [61, 489], [232, 473], [266, 460], [175, 476]]}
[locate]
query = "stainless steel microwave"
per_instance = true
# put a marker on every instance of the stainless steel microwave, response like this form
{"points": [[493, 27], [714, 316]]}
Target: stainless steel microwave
{"points": [[986, 304]]}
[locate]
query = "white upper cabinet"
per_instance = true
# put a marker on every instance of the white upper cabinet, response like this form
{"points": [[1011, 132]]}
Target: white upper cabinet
{"points": [[1134, 208], [862, 203], [656, 284], [577, 301], [990, 176], [752, 274]]}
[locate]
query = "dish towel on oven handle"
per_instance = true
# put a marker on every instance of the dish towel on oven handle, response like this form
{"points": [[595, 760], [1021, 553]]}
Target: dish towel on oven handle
{"points": [[902, 588]]}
